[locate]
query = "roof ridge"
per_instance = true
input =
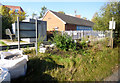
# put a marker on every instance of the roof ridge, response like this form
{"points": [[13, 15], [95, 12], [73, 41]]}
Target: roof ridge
{"points": [[11, 5], [69, 15], [72, 19]]}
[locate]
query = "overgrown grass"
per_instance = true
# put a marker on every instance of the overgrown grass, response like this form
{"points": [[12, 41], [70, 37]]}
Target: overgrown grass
{"points": [[93, 64]]}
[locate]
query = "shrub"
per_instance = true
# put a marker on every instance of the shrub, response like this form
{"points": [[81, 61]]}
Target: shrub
{"points": [[64, 41]]}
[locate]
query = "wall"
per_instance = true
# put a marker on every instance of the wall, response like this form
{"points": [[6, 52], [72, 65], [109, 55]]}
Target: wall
{"points": [[53, 21], [70, 27]]}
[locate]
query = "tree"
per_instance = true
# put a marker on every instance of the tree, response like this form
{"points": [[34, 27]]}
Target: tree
{"points": [[43, 11], [85, 18], [94, 17], [33, 15], [9, 17], [102, 18], [62, 12], [6, 20]]}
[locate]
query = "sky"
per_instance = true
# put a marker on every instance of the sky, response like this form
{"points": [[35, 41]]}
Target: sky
{"points": [[85, 9]]}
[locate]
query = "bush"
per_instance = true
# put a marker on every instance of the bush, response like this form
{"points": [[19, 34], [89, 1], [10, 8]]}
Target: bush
{"points": [[6, 24], [64, 41]]}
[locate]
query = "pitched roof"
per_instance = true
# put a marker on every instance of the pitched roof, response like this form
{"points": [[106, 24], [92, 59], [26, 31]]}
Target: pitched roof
{"points": [[14, 7], [73, 20]]}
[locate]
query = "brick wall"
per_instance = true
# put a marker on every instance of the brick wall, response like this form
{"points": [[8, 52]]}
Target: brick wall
{"points": [[70, 27], [53, 21]]}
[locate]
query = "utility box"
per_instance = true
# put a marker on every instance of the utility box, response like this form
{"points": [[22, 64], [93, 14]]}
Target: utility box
{"points": [[28, 30]]}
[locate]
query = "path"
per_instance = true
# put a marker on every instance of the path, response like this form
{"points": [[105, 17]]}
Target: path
{"points": [[114, 77]]}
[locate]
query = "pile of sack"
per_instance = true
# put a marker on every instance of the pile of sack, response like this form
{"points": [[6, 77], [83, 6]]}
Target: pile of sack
{"points": [[14, 62]]}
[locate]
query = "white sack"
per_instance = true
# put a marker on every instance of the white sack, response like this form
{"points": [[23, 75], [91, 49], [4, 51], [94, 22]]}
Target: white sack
{"points": [[5, 75], [16, 67]]}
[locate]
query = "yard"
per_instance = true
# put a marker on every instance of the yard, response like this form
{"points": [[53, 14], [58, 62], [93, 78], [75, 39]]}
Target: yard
{"points": [[91, 63]]}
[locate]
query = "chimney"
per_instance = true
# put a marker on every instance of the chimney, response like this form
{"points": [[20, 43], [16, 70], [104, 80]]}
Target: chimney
{"points": [[78, 16]]}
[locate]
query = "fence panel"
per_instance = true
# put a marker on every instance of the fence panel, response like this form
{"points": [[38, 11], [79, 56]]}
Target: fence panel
{"points": [[93, 33]]}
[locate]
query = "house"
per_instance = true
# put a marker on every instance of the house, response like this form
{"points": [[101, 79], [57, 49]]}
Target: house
{"points": [[14, 8], [63, 22]]}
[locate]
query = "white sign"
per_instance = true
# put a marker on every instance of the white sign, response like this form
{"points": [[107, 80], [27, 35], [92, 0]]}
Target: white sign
{"points": [[111, 24]]}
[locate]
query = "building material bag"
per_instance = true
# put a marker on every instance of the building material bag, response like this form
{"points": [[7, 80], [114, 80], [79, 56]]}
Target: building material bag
{"points": [[15, 62], [4, 75]]}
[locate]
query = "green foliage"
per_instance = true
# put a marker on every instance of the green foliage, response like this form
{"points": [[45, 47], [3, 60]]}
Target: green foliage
{"points": [[64, 41], [43, 11], [40, 40], [83, 44], [33, 15], [84, 18], [6, 23], [29, 51], [2, 43], [102, 18], [94, 67], [9, 17], [62, 12]]}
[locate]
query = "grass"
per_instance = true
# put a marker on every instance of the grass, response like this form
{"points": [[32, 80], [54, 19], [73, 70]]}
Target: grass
{"points": [[2, 43], [93, 64], [8, 40]]}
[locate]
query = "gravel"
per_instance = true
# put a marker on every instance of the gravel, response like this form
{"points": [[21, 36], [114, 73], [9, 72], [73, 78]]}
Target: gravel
{"points": [[14, 56]]}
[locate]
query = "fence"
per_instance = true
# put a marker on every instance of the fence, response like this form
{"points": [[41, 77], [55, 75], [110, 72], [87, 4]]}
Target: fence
{"points": [[28, 30], [81, 34]]}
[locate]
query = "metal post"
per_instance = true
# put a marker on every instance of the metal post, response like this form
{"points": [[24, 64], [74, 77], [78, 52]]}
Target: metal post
{"points": [[112, 33], [36, 25], [0, 27], [18, 30]]}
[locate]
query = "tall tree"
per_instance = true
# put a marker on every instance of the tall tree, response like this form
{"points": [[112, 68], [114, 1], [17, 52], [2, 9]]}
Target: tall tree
{"points": [[43, 11], [33, 15], [85, 18], [9, 17], [101, 20]]}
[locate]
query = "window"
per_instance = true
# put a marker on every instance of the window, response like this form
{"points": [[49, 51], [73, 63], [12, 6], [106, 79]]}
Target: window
{"points": [[56, 28], [16, 10]]}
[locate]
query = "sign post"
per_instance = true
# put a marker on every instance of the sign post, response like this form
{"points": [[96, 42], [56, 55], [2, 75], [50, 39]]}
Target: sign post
{"points": [[111, 26], [36, 25], [18, 30]]}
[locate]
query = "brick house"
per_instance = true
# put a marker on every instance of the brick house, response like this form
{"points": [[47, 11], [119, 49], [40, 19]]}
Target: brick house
{"points": [[14, 8], [63, 22]]}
